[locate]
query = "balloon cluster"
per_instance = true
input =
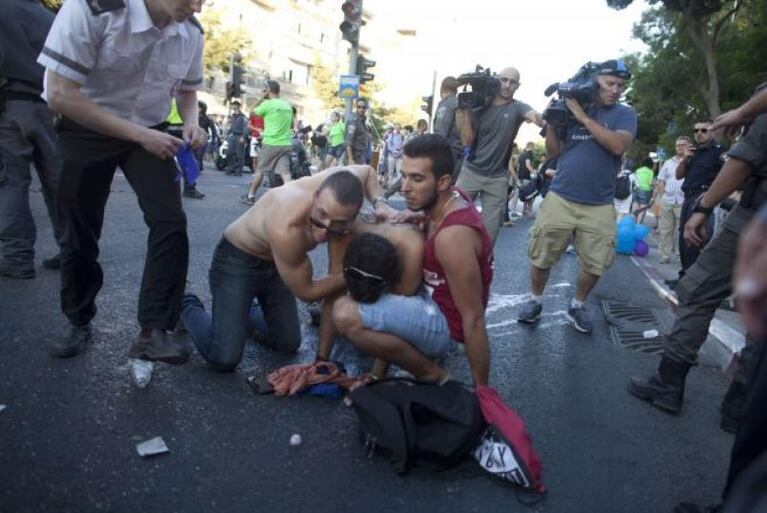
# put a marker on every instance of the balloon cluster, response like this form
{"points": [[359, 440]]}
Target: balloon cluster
{"points": [[630, 237]]}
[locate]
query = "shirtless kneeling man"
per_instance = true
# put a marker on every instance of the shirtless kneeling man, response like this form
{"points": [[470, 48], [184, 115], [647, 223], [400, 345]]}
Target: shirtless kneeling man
{"points": [[264, 255]]}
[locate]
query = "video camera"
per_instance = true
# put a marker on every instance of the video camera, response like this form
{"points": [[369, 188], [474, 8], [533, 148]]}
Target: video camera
{"points": [[582, 87], [484, 87]]}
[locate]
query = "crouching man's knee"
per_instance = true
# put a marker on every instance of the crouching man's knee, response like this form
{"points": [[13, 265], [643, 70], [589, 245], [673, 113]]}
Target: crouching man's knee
{"points": [[346, 316]]}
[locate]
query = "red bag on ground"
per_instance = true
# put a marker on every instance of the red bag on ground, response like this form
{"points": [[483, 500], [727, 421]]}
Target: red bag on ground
{"points": [[505, 449]]}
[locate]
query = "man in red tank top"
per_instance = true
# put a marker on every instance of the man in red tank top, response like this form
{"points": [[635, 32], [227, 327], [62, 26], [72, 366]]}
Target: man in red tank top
{"points": [[457, 269]]}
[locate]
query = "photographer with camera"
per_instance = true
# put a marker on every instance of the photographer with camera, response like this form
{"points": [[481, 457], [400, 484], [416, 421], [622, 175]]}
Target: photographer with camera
{"points": [[579, 205], [445, 120], [490, 130]]}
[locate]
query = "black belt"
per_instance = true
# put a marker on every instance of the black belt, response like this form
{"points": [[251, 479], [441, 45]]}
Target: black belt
{"points": [[68, 125], [19, 96]]}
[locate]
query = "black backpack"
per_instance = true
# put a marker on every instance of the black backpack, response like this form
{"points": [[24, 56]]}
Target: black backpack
{"points": [[418, 423], [622, 187]]}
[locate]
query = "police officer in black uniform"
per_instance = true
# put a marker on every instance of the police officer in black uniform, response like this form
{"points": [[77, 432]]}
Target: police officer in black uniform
{"points": [[699, 166], [238, 127], [26, 135], [709, 280], [112, 68]]}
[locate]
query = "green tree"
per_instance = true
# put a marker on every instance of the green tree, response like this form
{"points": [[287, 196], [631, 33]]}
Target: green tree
{"points": [[671, 86], [222, 42], [703, 22], [325, 86]]}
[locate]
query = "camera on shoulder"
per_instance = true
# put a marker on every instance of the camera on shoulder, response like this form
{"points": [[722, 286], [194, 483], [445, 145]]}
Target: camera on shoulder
{"points": [[484, 87], [582, 87]]}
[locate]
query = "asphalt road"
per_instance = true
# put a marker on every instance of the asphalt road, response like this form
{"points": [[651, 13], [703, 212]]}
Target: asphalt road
{"points": [[69, 429]]}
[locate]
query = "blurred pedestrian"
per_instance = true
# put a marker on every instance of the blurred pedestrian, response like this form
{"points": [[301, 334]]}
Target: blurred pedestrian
{"points": [[26, 136]]}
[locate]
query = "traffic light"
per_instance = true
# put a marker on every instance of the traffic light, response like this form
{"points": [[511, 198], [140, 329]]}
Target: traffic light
{"points": [[428, 101], [350, 27], [237, 80], [362, 69]]}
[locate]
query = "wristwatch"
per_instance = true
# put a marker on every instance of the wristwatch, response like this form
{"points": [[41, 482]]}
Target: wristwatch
{"points": [[700, 209]]}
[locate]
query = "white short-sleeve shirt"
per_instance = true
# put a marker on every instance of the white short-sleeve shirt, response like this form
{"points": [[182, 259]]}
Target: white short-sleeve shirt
{"points": [[123, 62], [672, 191]]}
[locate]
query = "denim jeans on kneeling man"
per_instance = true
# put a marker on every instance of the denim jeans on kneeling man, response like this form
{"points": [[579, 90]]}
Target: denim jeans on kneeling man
{"points": [[236, 278]]}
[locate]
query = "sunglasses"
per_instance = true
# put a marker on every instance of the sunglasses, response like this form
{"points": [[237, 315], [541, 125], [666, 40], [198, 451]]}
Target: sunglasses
{"points": [[701, 130], [336, 231], [362, 274]]}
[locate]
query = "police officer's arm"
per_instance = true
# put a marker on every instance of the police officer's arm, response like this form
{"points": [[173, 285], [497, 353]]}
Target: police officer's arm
{"points": [[681, 168], [616, 142], [65, 98], [456, 248], [731, 177], [743, 114]]}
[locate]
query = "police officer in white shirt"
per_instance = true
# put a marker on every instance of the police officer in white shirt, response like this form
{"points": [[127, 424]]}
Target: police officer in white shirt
{"points": [[112, 68]]}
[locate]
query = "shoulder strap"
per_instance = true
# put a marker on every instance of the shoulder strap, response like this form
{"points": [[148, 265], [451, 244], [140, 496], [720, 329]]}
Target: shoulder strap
{"points": [[194, 21], [102, 6]]}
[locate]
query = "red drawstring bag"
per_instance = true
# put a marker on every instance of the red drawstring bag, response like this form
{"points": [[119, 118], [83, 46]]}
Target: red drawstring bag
{"points": [[505, 449]]}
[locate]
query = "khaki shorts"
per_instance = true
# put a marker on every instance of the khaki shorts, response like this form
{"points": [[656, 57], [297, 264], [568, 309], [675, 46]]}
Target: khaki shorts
{"points": [[590, 227], [275, 159]]}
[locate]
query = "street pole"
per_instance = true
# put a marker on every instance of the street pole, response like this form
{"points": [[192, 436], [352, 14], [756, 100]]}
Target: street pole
{"points": [[353, 56], [433, 100]]}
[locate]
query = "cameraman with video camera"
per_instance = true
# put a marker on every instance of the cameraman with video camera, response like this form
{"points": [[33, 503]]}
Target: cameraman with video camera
{"points": [[490, 131], [589, 141]]}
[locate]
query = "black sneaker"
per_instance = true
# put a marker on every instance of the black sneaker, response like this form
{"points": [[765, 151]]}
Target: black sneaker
{"points": [[18, 273], [157, 347], [192, 192], [73, 343], [531, 312], [580, 318], [52, 263], [247, 200]]}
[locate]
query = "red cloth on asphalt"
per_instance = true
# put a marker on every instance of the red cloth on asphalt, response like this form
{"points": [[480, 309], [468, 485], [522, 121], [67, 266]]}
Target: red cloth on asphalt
{"points": [[292, 379]]}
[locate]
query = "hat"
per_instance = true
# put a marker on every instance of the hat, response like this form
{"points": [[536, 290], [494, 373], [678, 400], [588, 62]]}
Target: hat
{"points": [[615, 67]]}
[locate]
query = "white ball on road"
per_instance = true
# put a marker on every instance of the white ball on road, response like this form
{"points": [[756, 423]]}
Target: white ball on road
{"points": [[295, 440]]}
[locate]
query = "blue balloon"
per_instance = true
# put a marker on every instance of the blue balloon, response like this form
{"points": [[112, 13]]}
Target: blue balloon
{"points": [[627, 221], [625, 242], [641, 231]]}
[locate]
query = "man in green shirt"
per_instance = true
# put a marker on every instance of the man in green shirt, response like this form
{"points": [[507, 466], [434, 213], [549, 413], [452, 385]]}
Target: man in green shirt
{"points": [[274, 157], [336, 135], [644, 177]]}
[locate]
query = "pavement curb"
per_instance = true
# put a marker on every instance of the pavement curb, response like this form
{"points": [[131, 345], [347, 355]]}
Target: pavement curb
{"points": [[730, 340]]}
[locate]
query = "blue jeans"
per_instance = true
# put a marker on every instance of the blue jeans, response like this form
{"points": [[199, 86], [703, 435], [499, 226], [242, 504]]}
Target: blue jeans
{"points": [[236, 278], [417, 320]]}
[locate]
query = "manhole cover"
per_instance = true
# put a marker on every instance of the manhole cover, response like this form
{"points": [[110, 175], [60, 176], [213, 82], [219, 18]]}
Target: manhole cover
{"points": [[630, 313], [636, 341], [639, 328]]}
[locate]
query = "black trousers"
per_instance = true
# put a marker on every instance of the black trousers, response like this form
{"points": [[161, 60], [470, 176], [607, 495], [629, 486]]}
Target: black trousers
{"points": [[751, 438], [689, 254], [89, 162]]}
